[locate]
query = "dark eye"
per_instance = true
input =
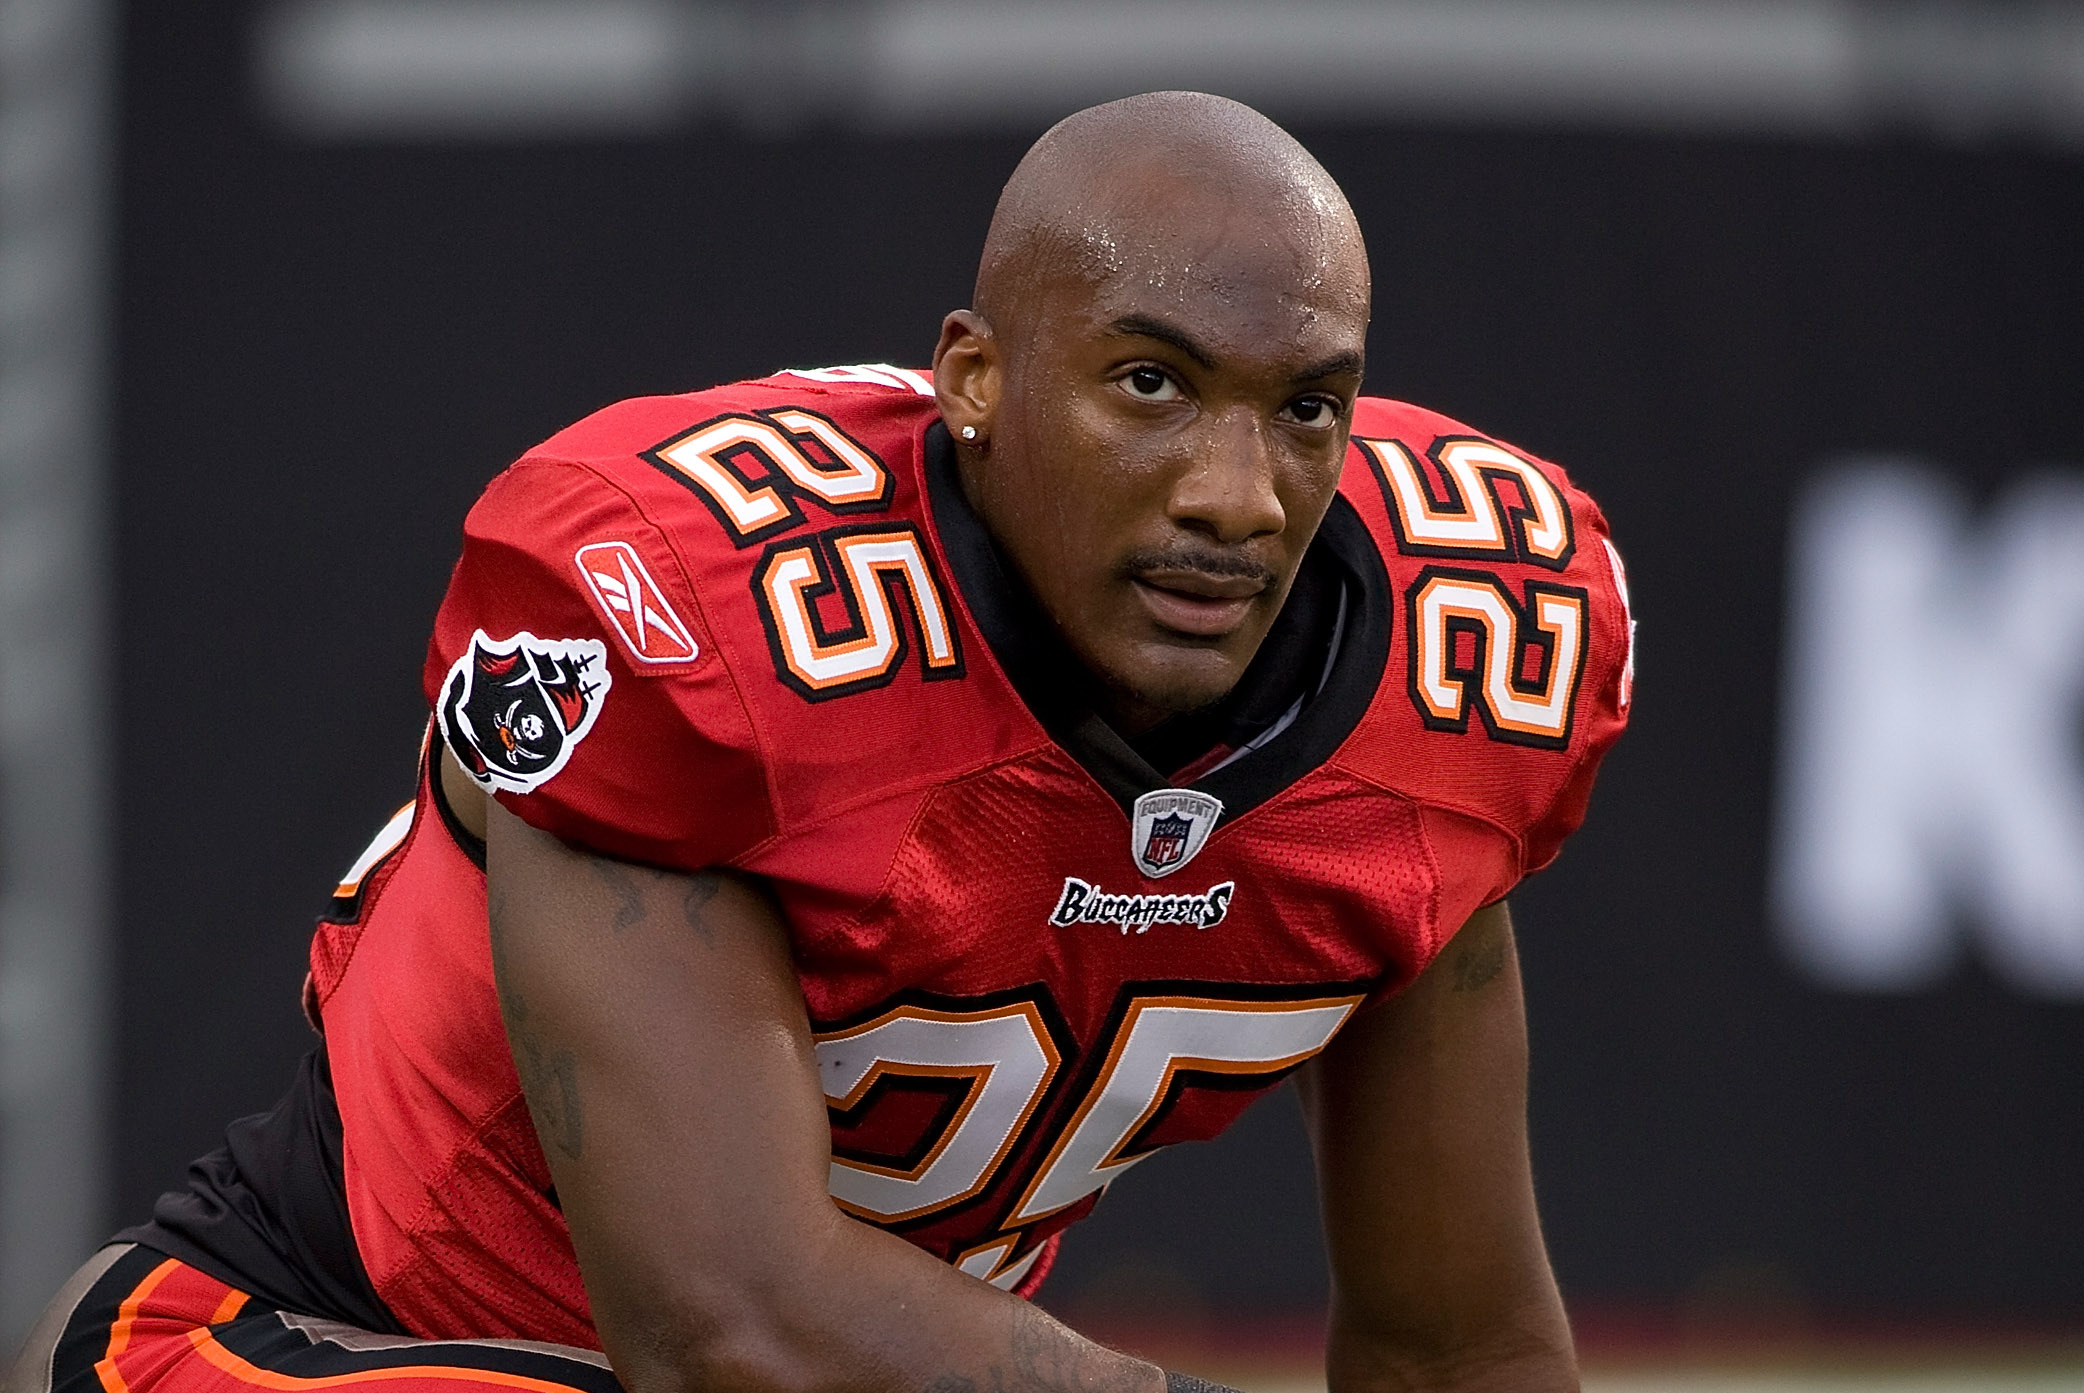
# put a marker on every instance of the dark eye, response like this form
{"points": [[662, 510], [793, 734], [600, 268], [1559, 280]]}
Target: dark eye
{"points": [[1315, 412], [1150, 384]]}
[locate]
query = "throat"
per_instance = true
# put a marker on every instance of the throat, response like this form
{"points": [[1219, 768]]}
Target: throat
{"points": [[1185, 746]]}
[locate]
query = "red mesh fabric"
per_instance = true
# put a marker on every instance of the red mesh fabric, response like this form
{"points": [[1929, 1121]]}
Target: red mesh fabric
{"points": [[918, 833]]}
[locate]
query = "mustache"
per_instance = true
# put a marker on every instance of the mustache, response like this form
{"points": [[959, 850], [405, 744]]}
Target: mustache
{"points": [[1208, 559]]}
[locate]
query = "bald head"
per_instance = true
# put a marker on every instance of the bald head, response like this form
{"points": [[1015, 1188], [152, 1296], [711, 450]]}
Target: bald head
{"points": [[1150, 396], [1159, 187]]}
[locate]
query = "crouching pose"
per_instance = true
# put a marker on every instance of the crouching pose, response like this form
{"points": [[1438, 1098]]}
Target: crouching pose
{"points": [[866, 811]]}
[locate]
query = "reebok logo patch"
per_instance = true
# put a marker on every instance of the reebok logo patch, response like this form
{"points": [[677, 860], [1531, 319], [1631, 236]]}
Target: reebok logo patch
{"points": [[634, 604]]}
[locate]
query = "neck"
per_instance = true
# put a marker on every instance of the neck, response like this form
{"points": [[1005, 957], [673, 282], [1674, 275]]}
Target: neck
{"points": [[1129, 714]]}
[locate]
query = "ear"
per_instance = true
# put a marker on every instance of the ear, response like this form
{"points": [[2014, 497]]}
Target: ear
{"points": [[966, 373]]}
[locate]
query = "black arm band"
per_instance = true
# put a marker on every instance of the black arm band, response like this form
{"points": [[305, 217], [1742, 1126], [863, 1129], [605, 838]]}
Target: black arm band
{"points": [[1187, 1383]]}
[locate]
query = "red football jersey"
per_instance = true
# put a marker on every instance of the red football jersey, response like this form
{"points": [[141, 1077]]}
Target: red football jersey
{"points": [[758, 627]]}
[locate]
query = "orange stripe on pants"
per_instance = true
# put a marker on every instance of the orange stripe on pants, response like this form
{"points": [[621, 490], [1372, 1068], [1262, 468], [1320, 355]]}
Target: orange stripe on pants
{"points": [[126, 1321], [166, 1322], [207, 1346]]}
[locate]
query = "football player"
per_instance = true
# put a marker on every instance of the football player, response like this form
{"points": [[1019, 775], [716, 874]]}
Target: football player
{"points": [[866, 812]]}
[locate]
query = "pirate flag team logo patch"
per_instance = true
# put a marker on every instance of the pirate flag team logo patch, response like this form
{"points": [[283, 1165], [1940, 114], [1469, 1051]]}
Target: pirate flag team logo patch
{"points": [[1168, 828], [513, 709]]}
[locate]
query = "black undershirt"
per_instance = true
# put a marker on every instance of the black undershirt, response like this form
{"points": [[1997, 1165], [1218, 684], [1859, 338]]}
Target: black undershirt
{"points": [[267, 1212]]}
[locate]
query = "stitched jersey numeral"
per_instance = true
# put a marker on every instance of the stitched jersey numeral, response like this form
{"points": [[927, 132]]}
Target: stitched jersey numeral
{"points": [[1516, 664], [992, 1069], [866, 567], [1479, 501], [755, 472], [1515, 660], [1162, 1041], [1001, 1061]]}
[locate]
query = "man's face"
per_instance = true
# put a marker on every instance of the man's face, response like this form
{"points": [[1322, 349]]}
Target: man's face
{"points": [[1165, 437]]}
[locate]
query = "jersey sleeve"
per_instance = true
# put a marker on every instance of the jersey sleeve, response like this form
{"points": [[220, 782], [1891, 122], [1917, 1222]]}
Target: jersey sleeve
{"points": [[572, 676], [1604, 692], [1511, 668], [1493, 840]]}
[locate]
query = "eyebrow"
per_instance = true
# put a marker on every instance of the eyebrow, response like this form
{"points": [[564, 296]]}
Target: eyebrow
{"points": [[1334, 366], [1144, 326]]}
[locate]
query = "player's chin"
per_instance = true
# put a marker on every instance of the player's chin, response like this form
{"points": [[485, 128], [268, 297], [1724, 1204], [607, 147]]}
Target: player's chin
{"points": [[1177, 674]]}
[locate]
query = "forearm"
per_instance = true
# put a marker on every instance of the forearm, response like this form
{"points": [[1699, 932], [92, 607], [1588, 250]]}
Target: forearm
{"points": [[1418, 1112], [662, 1043], [869, 1313], [1528, 1351]]}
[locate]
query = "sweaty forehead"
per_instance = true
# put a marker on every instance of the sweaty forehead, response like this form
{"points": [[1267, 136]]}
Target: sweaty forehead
{"points": [[1158, 230], [1260, 271], [1181, 206]]}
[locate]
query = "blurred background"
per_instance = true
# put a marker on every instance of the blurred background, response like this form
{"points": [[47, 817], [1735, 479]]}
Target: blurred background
{"points": [[1794, 287]]}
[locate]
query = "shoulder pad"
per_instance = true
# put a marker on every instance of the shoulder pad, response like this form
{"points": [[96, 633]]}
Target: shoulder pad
{"points": [[1511, 655]]}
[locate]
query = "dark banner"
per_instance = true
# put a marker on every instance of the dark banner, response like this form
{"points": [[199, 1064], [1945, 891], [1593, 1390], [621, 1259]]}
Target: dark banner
{"points": [[1806, 994]]}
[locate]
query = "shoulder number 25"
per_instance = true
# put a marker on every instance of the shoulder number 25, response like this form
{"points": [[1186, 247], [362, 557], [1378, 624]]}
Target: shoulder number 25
{"points": [[1515, 659], [755, 472]]}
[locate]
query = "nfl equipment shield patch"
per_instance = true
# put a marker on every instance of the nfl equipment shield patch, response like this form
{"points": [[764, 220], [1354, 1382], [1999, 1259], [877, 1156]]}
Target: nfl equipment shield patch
{"points": [[1169, 827], [513, 709]]}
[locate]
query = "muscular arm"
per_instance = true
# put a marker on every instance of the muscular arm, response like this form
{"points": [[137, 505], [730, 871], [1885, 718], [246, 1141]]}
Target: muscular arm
{"points": [[1418, 1115], [662, 1042]]}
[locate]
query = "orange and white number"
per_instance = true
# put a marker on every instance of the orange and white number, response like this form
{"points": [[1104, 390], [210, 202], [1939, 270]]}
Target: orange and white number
{"points": [[751, 470], [1472, 644], [1161, 1039], [1005, 1060], [1472, 520], [864, 566]]}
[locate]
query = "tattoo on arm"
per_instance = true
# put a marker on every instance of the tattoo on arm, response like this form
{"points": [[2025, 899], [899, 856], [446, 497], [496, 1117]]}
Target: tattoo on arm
{"points": [[1476, 965], [549, 1075], [629, 895], [952, 1382], [1046, 1358], [550, 1083], [1042, 1352], [693, 905], [627, 884]]}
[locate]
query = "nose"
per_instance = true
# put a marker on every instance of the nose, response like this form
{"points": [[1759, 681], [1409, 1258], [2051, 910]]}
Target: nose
{"points": [[1227, 492]]}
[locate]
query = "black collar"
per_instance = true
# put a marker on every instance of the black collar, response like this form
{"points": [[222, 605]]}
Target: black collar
{"points": [[1342, 562]]}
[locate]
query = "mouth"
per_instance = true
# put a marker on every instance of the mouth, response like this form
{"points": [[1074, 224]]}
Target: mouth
{"points": [[1195, 602]]}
